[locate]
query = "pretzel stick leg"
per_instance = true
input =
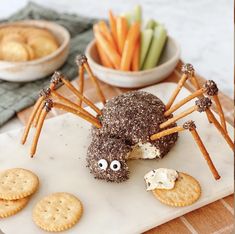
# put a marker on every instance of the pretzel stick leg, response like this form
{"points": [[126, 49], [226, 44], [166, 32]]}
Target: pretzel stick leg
{"points": [[184, 101], [63, 107], [204, 153], [38, 131], [95, 81], [195, 82], [176, 91], [71, 104], [48, 105], [179, 116], [38, 113], [166, 132], [220, 111], [192, 128], [220, 129], [81, 82], [80, 96], [31, 118]]}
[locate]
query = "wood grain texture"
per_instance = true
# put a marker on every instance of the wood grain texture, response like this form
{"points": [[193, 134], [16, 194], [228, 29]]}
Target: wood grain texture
{"points": [[214, 218], [174, 226]]}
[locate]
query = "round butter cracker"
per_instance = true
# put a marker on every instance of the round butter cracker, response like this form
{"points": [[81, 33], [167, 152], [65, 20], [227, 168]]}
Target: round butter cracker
{"points": [[9, 208], [57, 212], [186, 191], [43, 46], [13, 51], [17, 183]]}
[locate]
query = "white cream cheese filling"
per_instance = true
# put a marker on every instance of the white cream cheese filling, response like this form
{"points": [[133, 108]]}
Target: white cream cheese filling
{"points": [[161, 178], [144, 151]]}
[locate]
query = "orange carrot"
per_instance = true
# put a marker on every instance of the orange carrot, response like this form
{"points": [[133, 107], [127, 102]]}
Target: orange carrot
{"points": [[136, 57], [107, 48], [128, 51], [104, 59], [106, 33], [122, 29], [113, 26]]}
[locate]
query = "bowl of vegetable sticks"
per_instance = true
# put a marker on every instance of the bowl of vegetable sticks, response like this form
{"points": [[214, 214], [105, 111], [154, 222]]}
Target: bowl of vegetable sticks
{"points": [[128, 54]]}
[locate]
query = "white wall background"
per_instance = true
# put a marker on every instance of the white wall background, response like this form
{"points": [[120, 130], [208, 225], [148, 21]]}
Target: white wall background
{"points": [[204, 28]]}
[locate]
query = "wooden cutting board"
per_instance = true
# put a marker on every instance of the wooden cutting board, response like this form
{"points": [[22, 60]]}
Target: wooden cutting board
{"points": [[216, 217]]}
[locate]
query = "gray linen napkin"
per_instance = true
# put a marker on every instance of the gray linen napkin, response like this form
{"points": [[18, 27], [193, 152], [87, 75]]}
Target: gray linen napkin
{"points": [[14, 97]]}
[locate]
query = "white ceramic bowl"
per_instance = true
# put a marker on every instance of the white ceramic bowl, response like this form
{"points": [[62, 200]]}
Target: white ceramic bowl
{"points": [[39, 68], [168, 62]]}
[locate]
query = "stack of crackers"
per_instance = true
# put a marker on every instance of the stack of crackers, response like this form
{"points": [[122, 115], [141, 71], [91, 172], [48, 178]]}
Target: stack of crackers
{"points": [[16, 187], [55, 212], [24, 43]]}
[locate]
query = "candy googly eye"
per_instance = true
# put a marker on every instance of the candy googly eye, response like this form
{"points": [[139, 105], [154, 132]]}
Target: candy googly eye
{"points": [[115, 165], [102, 163]]}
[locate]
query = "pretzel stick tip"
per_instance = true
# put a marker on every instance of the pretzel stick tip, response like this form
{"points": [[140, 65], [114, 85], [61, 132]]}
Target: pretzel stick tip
{"points": [[48, 104], [192, 128], [38, 113], [31, 119]]}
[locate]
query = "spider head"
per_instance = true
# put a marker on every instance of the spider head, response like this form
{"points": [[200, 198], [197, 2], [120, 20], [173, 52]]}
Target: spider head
{"points": [[107, 159]]}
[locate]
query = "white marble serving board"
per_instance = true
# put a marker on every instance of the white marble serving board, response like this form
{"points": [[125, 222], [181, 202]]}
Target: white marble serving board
{"points": [[124, 208]]}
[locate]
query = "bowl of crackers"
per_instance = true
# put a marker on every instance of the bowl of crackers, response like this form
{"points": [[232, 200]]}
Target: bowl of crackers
{"points": [[32, 49]]}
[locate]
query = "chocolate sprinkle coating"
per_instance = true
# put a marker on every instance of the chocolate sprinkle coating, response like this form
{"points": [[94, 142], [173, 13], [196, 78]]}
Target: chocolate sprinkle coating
{"points": [[190, 125], [45, 92], [211, 88], [48, 104], [188, 69], [81, 59], [203, 103], [131, 118]]}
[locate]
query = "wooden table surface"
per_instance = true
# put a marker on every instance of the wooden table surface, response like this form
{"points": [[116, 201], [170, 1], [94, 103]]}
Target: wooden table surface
{"points": [[217, 217]]}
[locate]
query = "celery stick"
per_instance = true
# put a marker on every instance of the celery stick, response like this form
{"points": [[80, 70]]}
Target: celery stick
{"points": [[157, 44], [128, 17], [146, 37], [137, 14], [151, 24]]}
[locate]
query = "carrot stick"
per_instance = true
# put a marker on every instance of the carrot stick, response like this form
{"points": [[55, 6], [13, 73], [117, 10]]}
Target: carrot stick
{"points": [[128, 51], [103, 58], [136, 57], [106, 33], [107, 48], [122, 29], [113, 25]]}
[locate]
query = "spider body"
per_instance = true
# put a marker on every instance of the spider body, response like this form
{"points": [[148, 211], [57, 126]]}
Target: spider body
{"points": [[128, 121]]}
